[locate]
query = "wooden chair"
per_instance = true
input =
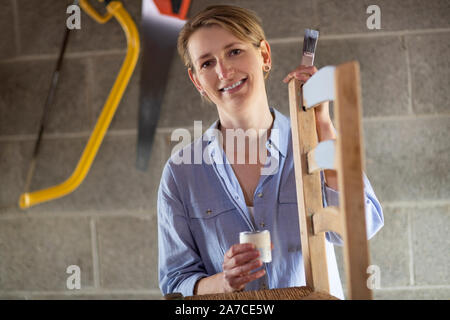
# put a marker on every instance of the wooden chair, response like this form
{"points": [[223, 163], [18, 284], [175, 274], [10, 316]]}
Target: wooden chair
{"points": [[340, 84]]}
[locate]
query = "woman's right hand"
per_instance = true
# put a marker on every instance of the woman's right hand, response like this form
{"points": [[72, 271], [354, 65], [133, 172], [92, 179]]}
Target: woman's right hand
{"points": [[238, 263]]}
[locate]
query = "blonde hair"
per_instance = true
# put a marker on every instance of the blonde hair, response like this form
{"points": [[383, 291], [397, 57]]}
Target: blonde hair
{"points": [[244, 24]]}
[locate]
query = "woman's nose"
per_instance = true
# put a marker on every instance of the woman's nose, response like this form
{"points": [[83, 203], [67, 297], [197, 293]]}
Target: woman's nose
{"points": [[224, 70]]}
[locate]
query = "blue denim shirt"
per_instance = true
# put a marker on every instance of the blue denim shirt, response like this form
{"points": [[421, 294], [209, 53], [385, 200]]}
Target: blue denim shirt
{"points": [[202, 210]]}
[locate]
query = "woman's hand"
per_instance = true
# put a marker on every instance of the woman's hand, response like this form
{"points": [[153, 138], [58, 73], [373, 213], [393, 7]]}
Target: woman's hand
{"points": [[324, 125], [238, 263], [302, 73]]}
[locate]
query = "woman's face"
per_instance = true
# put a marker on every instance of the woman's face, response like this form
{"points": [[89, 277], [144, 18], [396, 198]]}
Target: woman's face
{"points": [[227, 69]]}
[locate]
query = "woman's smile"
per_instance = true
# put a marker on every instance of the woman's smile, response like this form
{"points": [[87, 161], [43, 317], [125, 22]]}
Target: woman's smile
{"points": [[235, 87]]}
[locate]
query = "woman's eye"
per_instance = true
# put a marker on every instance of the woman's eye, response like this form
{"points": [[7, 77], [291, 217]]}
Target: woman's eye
{"points": [[206, 64], [235, 52]]}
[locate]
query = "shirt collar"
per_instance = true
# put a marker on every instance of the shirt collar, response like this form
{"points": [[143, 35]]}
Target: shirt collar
{"points": [[278, 135], [280, 132]]}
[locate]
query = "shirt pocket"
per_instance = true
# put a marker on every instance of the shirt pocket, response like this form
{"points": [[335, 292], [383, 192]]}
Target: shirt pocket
{"points": [[288, 220], [213, 223], [209, 209]]}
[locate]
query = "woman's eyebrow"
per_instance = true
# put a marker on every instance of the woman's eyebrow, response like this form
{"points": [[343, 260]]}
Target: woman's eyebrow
{"points": [[224, 48]]}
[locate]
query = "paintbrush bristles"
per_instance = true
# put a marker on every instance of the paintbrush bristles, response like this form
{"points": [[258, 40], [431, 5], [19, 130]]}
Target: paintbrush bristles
{"points": [[310, 41]]}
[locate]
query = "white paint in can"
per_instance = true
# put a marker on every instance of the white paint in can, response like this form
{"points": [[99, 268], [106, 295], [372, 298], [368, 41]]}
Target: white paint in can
{"points": [[261, 239]]}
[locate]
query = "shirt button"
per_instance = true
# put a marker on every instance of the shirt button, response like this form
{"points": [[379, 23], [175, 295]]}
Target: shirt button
{"points": [[209, 211], [262, 224], [260, 195]]}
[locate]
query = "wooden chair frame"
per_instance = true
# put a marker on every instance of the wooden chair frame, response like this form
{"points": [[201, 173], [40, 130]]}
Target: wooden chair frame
{"points": [[342, 85]]}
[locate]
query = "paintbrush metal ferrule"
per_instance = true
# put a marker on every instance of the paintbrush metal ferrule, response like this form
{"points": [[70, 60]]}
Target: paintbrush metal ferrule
{"points": [[309, 47]]}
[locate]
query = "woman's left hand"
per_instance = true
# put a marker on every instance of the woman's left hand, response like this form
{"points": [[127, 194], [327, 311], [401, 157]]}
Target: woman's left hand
{"points": [[325, 129]]}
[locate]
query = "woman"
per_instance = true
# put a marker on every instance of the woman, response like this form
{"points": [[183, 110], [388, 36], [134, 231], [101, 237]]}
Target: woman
{"points": [[203, 207]]}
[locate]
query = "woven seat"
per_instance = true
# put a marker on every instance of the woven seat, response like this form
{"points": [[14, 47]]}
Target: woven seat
{"points": [[293, 293]]}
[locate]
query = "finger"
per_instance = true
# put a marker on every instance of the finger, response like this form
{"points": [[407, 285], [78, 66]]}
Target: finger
{"points": [[244, 269], [299, 75], [304, 72], [289, 77], [240, 259], [240, 282], [307, 69], [302, 77], [239, 248], [296, 75]]}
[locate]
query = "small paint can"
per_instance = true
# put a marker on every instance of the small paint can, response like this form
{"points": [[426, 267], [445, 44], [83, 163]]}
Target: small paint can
{"points": [[261, 239]]}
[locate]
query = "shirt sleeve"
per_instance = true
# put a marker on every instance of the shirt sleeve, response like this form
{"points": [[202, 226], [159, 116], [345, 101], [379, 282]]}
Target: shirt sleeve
{"points": [[373, 211], [180, 265]]}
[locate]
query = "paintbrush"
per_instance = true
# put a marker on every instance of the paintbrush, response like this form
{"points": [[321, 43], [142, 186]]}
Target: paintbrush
{"points": [[309, 46]]}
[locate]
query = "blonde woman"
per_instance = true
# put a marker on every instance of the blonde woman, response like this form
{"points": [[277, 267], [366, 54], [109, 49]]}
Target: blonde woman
{"points": [[202, 207]]}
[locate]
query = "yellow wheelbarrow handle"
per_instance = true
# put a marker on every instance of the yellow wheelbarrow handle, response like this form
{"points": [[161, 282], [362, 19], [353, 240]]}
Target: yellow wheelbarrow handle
{"points": [[116, 10]]}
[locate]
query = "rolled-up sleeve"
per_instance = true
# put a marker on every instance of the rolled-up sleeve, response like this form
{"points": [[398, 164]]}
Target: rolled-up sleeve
{"points": [[373, 210], [180, 265]]}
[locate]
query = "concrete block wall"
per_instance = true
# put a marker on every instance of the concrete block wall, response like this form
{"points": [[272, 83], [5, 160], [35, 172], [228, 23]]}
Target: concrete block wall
{"points": [[108, 225]]}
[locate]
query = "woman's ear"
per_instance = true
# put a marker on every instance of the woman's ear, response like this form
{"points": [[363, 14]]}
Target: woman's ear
{"points": [[265, 52], [194, 80]]}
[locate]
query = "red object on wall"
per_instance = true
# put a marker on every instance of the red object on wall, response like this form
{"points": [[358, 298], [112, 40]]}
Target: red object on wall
{"points": [[165, 7]]}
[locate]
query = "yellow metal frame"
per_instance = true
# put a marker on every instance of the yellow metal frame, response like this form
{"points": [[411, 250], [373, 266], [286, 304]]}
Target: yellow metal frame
{"points": [[116, 10]]}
